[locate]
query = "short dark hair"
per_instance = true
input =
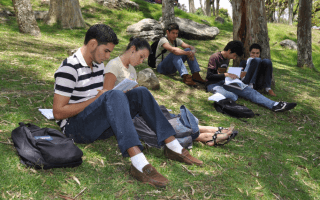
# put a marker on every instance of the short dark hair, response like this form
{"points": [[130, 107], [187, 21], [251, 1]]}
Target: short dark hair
{"points": [[235, 47], [255, 46], [172, 26], [102, 33], [139, 43]]}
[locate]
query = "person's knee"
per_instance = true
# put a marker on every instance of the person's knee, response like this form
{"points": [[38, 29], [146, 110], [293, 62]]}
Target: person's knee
{"points": [[113, 95], [140, 92], [256, 60], [266, 62], [142, 89], [187, 49]]}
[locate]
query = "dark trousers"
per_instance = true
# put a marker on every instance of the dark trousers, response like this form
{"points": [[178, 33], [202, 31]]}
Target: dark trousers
{"points": [[116, 109], [259, 73]]}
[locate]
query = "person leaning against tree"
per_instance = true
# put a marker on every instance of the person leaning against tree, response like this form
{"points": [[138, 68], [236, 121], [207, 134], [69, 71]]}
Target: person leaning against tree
{"points": [[85, 111], [258, 71]]}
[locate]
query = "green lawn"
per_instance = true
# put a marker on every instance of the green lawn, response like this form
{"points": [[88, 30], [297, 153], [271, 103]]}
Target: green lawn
{"points": [[275, 156]]}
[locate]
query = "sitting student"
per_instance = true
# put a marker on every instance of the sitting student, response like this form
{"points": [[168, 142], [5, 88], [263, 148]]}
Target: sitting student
{"points": [[216, 80], [85, 110], [172, 60], [122, 67], [257, 70]]}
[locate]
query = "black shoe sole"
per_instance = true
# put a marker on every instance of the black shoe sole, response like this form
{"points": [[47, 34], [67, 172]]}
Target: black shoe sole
{"points": [[198, 81]]}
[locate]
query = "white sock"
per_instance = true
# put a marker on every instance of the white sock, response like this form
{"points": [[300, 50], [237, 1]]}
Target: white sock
{"points": [[175, 146], [267, 89], [250, 85], [276, 103], [139, 161]]}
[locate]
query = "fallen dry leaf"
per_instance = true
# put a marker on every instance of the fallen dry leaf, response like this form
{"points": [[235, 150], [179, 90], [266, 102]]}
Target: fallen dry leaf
{"points": [[76, 179]]}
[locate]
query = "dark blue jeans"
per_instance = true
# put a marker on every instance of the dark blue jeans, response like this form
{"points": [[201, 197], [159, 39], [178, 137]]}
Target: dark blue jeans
{"points": [[259, 69], [172, 63], [116, 109]]}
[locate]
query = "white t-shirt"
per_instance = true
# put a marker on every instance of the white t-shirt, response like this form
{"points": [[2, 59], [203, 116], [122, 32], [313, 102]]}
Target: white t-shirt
{"points": [[116, 67], [160, 48]]}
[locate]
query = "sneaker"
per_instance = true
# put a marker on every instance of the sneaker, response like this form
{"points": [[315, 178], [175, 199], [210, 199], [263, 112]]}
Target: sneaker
{"points": [[283, 106], [187, 79], [271, 93], [185, 157], [149, 175]]}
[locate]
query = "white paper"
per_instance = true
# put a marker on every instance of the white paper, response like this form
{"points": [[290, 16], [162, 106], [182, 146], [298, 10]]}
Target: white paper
{"points": [[235, 70], [216, 97], [235, 83], [125, 85], [48, 113]]}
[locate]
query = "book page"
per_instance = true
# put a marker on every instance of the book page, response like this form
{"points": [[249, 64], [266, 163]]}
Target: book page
{"points": [[48, 113], [235, 70], [125, 85], [236, 83]]}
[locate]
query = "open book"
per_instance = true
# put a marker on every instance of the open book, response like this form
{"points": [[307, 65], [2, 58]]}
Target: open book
{"points": [[125, 85], [235, 83], [47, 113]]}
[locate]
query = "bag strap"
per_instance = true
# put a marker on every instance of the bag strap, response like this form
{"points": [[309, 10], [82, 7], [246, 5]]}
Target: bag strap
{"points": [[165, 50]]}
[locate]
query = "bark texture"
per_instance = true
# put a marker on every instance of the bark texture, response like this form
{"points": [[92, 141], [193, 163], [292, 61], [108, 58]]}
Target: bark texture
{"points": [[192, 9], [213, 9], [217, 7], [208, 8], [25, 17], [167, 12], [65, 12], [290, 8], [304, 34], [250, 26]]}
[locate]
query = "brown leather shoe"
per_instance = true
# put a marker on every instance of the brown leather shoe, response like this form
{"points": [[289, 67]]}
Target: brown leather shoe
{"points": [[197, 78], [271, 93], [185, 157], [149, 175], [187, 79]]}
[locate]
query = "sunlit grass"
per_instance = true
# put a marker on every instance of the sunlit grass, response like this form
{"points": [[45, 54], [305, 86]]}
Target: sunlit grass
{"points": [[275, 156]]}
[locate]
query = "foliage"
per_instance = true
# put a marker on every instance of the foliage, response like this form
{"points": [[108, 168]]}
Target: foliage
{"points": [[275, 155], [199, 12], [224, 14]]}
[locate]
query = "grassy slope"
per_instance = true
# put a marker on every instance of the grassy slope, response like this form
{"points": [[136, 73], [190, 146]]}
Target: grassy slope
{"points": [[275, 156]]}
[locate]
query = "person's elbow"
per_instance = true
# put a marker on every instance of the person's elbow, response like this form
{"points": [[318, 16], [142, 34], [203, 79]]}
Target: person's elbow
{"points": [[57, 115]]}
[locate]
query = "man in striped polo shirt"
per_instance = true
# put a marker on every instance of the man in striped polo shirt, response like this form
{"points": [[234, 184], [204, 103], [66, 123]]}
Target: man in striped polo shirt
{"points": [[85, 110]]}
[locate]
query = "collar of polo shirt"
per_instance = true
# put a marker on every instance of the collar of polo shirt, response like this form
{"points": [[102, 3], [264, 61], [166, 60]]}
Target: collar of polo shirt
{"points": [[81, 59]]}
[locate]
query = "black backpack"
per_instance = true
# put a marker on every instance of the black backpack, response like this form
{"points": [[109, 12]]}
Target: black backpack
{"points": [[45, 148], [153, 57], [231, 108]]}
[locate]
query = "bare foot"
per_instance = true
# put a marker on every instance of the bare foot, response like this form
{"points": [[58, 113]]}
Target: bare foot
{"points": [[206, 138]]}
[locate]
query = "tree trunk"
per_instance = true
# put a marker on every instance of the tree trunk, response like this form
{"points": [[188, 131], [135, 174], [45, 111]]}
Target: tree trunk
{"points": [[279, 14], [250, 26], [217, 8], [213, 9], [304, 34], [290, 8], [25, 17], [208, 8], [202, 8], [192, 9], [65, 12], [167, 12]]}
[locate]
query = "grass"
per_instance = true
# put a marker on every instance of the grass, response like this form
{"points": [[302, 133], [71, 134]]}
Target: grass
{"points": [[276, 155]]}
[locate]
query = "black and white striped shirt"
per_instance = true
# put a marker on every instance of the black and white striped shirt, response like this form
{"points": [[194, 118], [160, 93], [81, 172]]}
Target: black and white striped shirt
{"points": [[76, 80]]}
